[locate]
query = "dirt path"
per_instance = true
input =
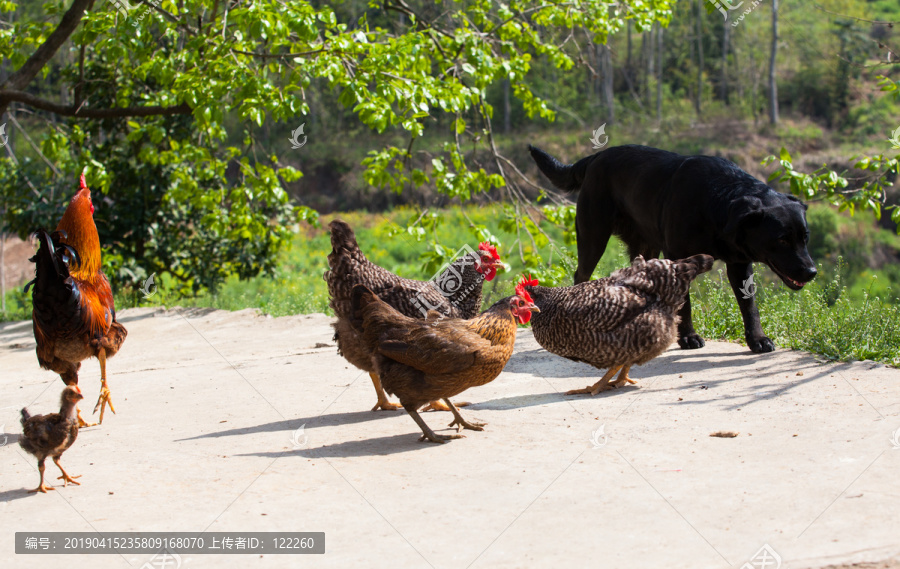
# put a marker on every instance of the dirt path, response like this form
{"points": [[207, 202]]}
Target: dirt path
{"points": [[210, 405]]}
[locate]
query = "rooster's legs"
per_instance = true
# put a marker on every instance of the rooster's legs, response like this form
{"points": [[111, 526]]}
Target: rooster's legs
{"points": [[383, 402], [65, 477], [104, 399], [460, 422], [601, 385], [437, 405], [41, 487], [426, 430], [82, 422]]}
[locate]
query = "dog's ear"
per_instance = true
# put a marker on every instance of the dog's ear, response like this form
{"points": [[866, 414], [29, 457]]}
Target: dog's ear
{"points": [[741, 212]]}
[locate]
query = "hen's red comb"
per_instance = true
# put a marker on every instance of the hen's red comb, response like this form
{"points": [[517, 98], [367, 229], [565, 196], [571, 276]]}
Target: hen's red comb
{"points": [[520, 288], [488, 248], [83, 182]]}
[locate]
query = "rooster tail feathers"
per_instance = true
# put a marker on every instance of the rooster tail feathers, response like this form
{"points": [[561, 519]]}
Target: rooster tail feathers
{"points": [[25, 416], [55, 296], [342, 236], [49, 258]]}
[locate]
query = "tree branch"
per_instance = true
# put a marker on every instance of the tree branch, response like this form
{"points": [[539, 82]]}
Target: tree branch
{"points": [[280, 55], [81, 111], [29, 70]]}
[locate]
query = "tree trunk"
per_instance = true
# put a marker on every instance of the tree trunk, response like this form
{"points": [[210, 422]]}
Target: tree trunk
{"points": [[723, 82], [628, 72], [699, 55], [738, 73], [659, 76], [608, 85], [506, 106], [644, 66], [773, 87]]}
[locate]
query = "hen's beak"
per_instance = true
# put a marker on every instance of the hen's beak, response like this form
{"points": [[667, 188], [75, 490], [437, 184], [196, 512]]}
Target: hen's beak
{"points": [[532, 307]]}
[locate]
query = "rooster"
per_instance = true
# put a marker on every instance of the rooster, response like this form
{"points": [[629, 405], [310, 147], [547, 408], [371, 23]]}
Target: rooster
{"points": [[627, 318], [459, 295], [425, 360], [51, 435], [74, 316]]}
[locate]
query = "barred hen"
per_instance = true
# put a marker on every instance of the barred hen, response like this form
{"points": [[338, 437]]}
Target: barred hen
{"points": [[51, 435], [627, 318], [74, 316], [457, 294], [424, 360]]}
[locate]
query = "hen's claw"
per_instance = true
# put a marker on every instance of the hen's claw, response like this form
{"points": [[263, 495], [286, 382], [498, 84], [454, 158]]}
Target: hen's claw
{"points": [[602, 385], [42, 488], [623, 378], [440, 439], [591, 389], [460, 422], [383, 402], [440, 406], [386, 406], [427, 433], [463, 424]]}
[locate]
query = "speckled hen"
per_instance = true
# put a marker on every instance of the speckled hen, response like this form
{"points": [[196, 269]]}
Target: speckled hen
{"points": [[625, 319], [424, 360], [461, 284]]}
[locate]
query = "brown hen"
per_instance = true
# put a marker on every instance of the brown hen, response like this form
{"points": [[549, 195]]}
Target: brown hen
{"points": [[424, 360], [51, 435], [457, 295], [627, 318]]}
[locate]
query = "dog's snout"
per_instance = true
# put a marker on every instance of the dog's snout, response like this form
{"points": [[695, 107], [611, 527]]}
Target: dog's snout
{"points": [[809, 274]]}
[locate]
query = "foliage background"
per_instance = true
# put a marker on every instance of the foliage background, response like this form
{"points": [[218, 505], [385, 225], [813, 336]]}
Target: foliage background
{"points": [[414, 111]]}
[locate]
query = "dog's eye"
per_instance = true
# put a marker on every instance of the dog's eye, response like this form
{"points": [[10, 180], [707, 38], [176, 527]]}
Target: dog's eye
{"points": [[783, 242]]}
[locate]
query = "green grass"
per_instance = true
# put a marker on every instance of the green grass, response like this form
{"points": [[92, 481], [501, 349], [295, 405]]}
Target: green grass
{"points": [[298, 286], [826, 318], [822, 318]]}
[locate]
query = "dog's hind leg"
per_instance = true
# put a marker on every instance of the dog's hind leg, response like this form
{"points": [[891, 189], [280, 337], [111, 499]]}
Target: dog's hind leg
{"points": [[593, 228]]}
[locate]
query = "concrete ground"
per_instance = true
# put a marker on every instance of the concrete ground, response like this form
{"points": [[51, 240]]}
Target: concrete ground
{"points": [[211, 405]]}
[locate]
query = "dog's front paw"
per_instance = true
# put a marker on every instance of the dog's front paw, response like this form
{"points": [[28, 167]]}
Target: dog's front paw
{"points": [[761, 345], [691, 341]]}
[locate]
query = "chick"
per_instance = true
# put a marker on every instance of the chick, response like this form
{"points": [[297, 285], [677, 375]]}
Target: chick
{"points": [[51, 435]]}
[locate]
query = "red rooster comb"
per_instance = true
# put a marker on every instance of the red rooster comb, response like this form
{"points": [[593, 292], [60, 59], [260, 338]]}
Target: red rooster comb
{"points": [[83, 182], [488, 248], [520, 288]]}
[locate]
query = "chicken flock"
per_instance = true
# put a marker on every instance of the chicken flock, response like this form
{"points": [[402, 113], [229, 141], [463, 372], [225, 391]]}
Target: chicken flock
{"points": [[424, 342]]}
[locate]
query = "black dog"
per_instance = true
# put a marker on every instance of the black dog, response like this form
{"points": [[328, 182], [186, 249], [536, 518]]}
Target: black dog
{"points": [[661, 202]]}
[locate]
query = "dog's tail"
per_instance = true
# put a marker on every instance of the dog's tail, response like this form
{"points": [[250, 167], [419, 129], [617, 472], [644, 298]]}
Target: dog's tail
{"points": [[566, 177]]}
